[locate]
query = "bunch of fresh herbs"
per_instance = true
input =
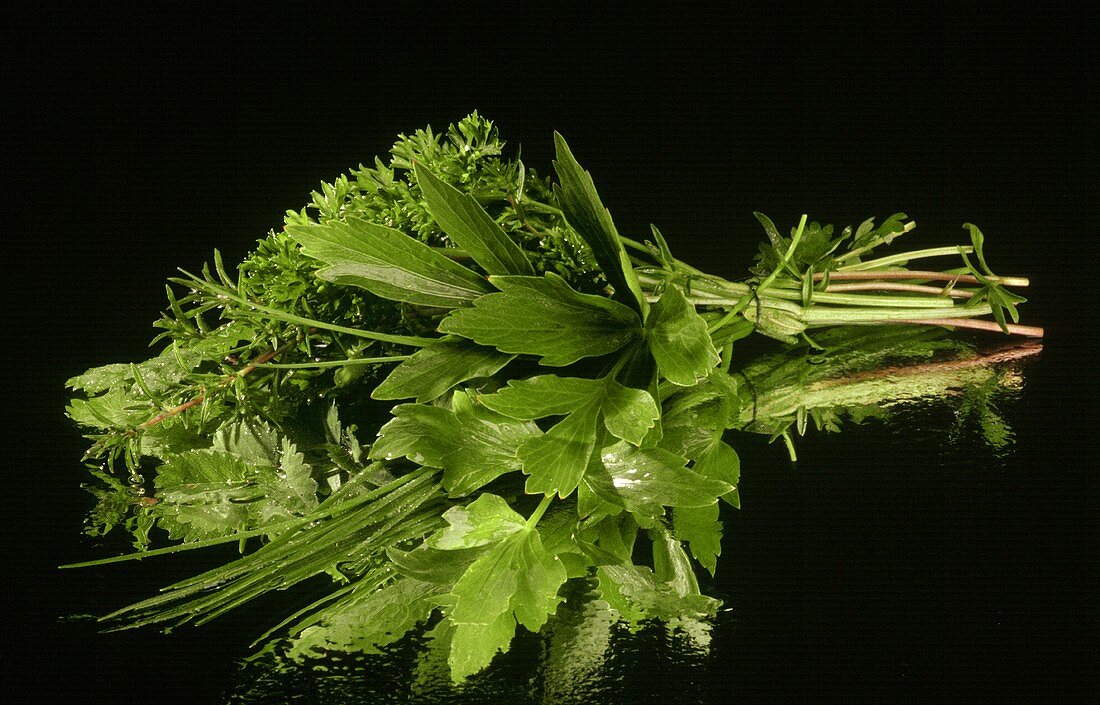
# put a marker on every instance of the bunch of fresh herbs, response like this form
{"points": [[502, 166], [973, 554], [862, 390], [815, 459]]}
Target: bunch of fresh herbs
{"points": [[451, 385]]}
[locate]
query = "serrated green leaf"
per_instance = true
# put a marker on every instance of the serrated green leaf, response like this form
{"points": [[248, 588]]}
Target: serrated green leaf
{"points": [[645, 480], [363, 624], [488, 519], [700, 528], [213, 492], [251, 440], [556, 460], [543, 395], [114, 409], [205, 493], [434, 370], [588, 216], [472, 446], [544, 316], [539, 576], [636, 593], [473, 646], [629, 413], [719, 461], [691, 416], [158, 373], [291, 491], [679, 340], [515, 579], [440, 567], [388, 263], [483, 592], [610, 541], [470, 227]]}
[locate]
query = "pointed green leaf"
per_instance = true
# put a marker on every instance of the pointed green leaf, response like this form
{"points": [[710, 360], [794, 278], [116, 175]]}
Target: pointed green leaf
{"points": [[544, 316], [977, 239], [470, 227], [644, 480], [203, 494], [542, 396], [388, 263], [487, 519], [700, 528], [556, 460], [473, 446], [433, 370], [679, 340], [433, 565], [636, 593], [774, 237], [719, 462], [628, 413], [484, 591], [473, 646], [363, 624], [586, 213], [539, 576]]}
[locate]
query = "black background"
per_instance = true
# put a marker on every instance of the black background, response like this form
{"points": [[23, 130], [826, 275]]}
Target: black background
{"points": [[146, 141]]}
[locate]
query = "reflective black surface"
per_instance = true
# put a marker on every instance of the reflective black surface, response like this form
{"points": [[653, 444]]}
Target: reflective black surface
{"points": [[898, 561]]}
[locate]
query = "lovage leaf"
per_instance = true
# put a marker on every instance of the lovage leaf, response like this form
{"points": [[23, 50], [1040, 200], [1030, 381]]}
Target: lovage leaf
{"points": [[557, 460], [544, 316], [472, 446], [433, 370], [473, 646], [434, 565], [628, 413], [470, 227], [365, 623], [545, 395], [487, 519], [700, 528], [679, 340], [388, 263], [517, 579], [644, 480]]}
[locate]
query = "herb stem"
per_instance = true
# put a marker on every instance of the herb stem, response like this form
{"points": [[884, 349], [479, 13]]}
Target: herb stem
{"points": [[225, 294], [336, 363], [905, 274], [888, 286], [1013, 328], [540, 510]]}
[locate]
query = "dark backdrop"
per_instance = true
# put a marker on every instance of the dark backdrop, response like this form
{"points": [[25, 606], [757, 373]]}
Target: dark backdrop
{"points": [[146, 141]]}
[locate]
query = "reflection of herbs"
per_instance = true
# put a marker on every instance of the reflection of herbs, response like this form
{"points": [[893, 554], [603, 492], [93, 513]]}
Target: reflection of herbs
{"points": [[565, 394], [863, 373]]}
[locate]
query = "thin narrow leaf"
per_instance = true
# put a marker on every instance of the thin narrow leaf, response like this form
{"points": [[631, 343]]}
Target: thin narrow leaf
{"points": [[470, 227], [388, 263], [587, 214]]}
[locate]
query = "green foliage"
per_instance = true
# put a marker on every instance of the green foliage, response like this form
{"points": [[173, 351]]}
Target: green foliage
{"points": [[543, 316], [565, 405]]}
